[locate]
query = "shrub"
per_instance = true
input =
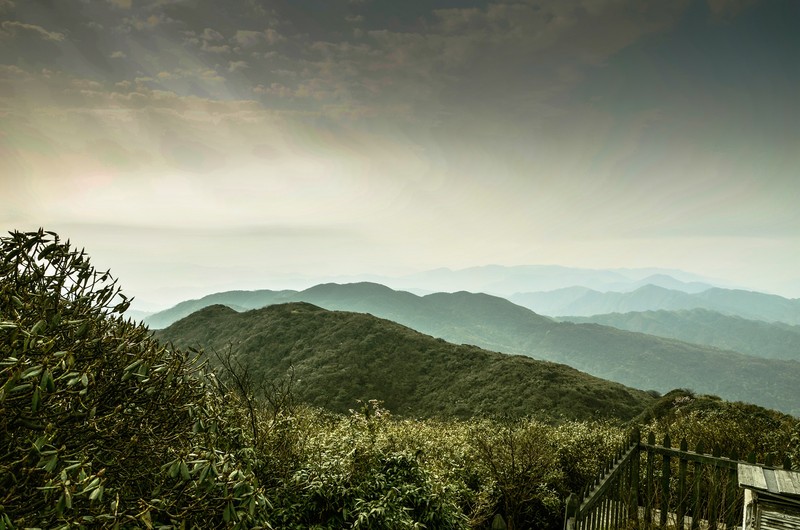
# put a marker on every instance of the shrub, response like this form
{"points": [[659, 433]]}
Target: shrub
{"points": [[99, 423]]}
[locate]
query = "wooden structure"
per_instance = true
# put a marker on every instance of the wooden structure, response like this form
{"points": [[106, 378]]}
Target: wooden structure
{"points": [[659, 486], [771, 498]]}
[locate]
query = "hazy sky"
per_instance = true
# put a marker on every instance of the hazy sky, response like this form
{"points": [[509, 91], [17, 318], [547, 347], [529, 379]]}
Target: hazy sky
{"points": [[196, 145]]}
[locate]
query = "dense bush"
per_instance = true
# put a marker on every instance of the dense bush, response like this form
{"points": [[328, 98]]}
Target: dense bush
{"points": [[99, 423], [371, 470], [732, 427]]}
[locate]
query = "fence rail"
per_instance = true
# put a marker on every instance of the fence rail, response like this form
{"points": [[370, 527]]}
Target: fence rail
{"points": [[658, 486]]}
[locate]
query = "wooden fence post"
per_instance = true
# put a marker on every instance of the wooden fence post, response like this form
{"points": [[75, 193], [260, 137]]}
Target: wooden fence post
{"points": [[682, 485], [665, 472], [570, 510], [633, 494], [732, 494], [648, 502], [698, 488], [712, 491]]}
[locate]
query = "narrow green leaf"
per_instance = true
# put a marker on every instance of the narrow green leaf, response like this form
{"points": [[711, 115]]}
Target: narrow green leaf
{"points": [[33, 371], [47, 384], [36, 400], [93, 484], [51, 465], [184, 471], [38, 327], [133, 365], [96, 494]]}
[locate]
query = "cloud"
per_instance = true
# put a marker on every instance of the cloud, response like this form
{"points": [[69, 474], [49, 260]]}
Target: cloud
{"points": [[122, 4], [247, 38], [273, 36], [212, 35], [13, 72], [144, 24], [274, 89], [236, 66], [117, 55], [12, 28]]}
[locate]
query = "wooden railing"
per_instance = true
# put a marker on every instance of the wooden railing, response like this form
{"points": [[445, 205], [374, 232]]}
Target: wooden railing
{"points": [[658, 486], [610, 502]]}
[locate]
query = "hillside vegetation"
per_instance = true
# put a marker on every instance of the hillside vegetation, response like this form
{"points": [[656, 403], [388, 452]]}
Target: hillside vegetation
{"points": [[493, 323], [103, 426], [336, 358], [702, 326]]}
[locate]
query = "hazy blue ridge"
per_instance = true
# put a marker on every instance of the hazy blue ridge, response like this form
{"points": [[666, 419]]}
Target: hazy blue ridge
{"points": [[580, 302], [505, 281], [703, 326], [634, 359], [238, 300]]}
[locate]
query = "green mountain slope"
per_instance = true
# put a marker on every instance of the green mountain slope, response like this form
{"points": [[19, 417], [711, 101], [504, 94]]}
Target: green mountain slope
{"points": [[746, 304], [702, 326], [339, 357], [634, 359]]}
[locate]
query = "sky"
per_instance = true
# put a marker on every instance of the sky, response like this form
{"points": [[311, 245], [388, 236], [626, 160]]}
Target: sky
{"points": [[193, 146]]}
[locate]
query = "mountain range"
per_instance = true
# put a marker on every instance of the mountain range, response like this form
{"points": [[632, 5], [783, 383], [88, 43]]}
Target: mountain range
{"points": [[505, 281], [702, 326], [494, 323], [334, 358], [581, 301]]}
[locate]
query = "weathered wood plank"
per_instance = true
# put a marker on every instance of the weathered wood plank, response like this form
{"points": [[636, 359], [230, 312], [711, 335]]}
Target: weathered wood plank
{"points": [[752, 477], [772, 483], [785, 482]]}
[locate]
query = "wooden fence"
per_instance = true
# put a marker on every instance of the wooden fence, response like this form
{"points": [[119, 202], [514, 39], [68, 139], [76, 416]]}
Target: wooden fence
{"points": [[658, 486]]}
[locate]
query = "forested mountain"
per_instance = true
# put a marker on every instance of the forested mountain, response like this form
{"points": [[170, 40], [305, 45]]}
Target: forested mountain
{"points": [[586, 302], [702, 326], [634, 359], [336, 358]]}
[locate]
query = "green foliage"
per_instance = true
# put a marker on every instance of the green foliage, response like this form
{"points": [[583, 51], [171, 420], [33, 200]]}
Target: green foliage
{"points": [[355, 475], [369, 469], [96, 417], [733, 427]]}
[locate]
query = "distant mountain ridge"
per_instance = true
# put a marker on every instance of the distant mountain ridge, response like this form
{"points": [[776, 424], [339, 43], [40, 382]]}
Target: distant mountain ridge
{"points": [[586, 302], [703, 326], [508, 280], [338, 357], [496, 324]]}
